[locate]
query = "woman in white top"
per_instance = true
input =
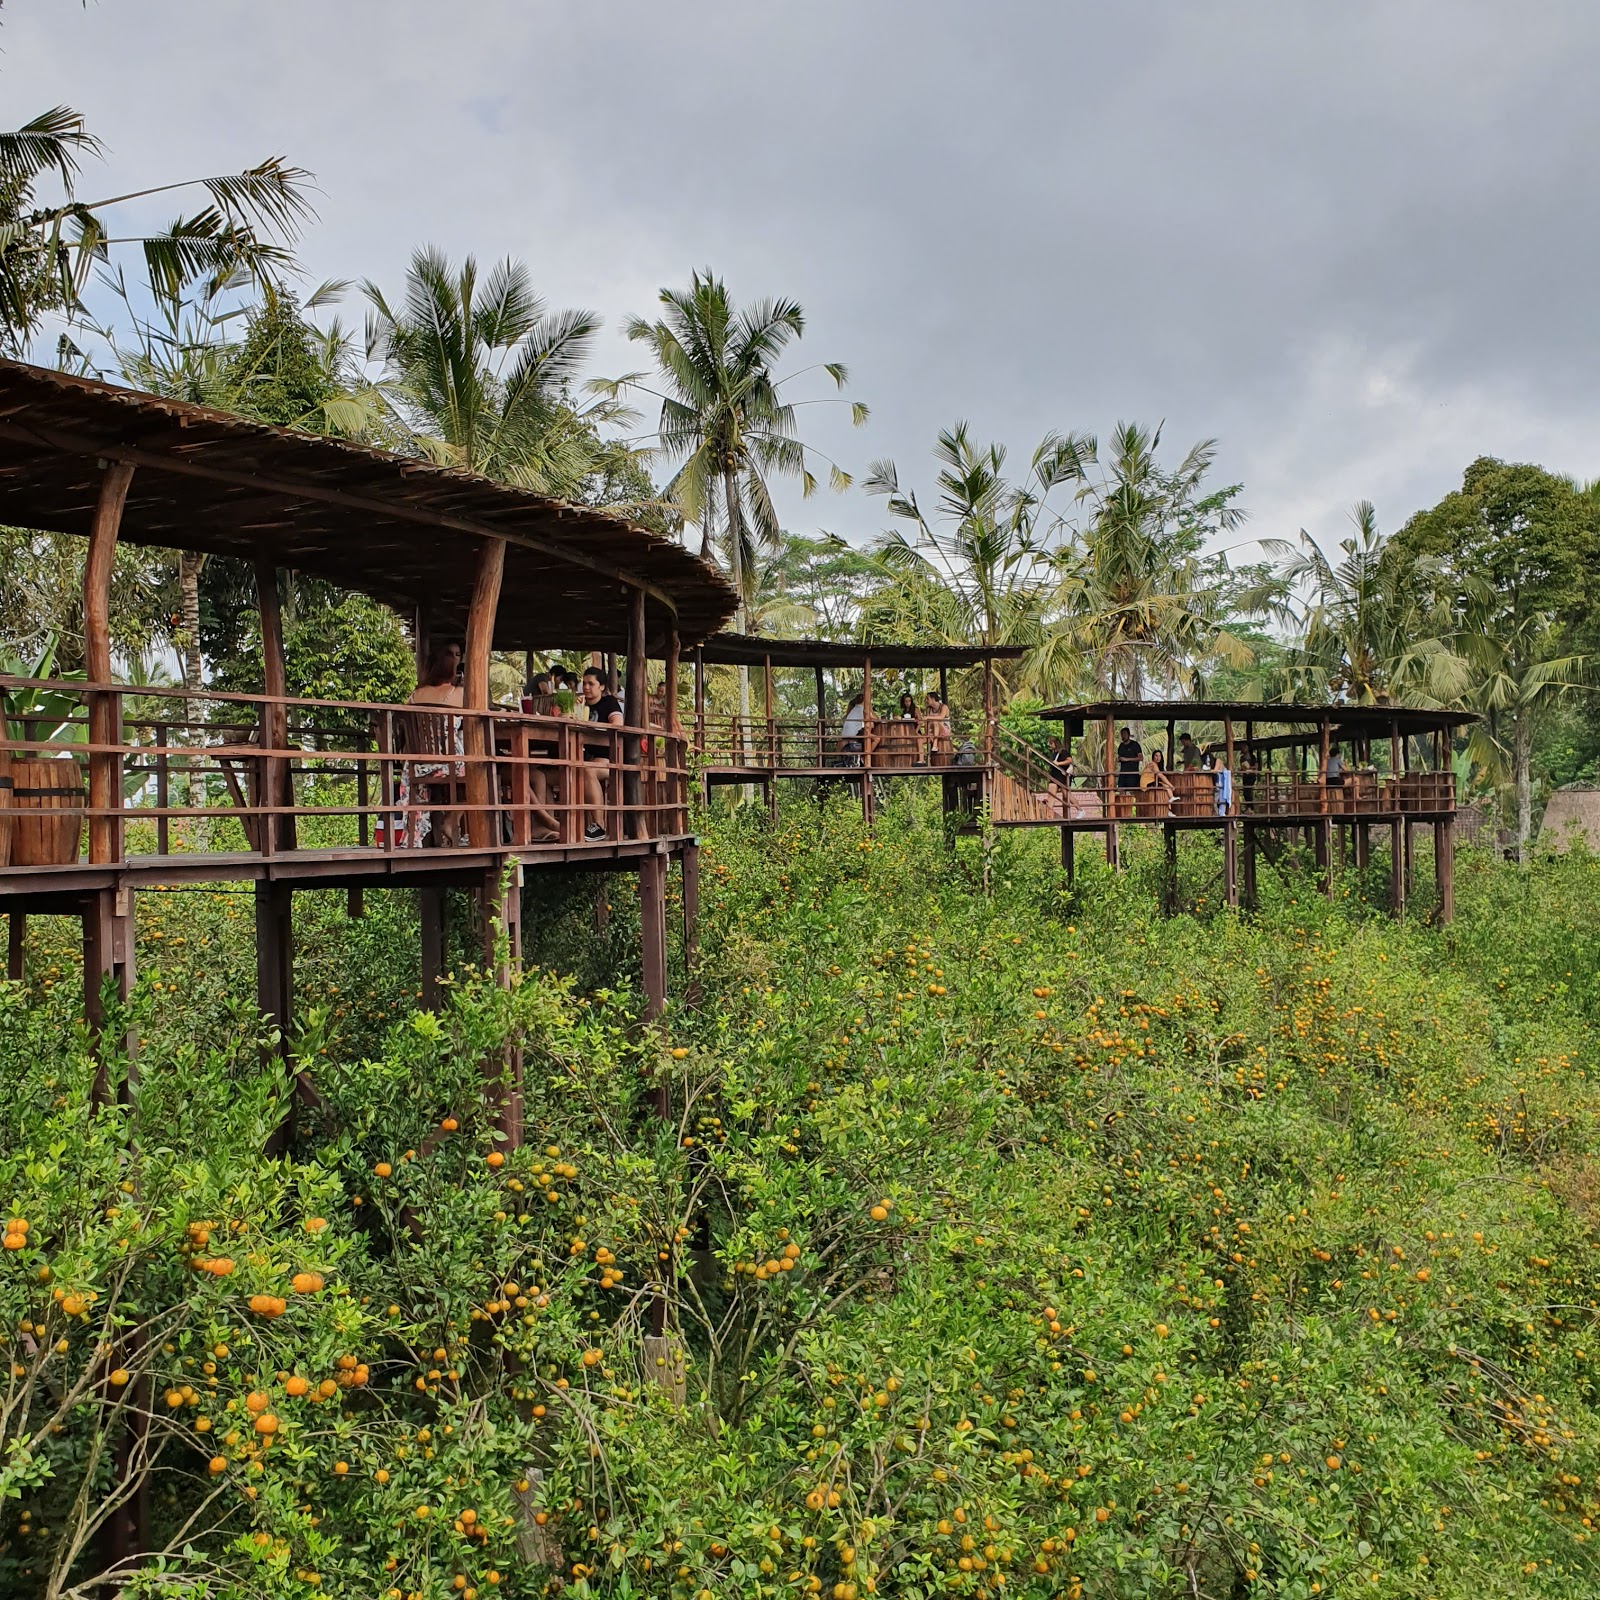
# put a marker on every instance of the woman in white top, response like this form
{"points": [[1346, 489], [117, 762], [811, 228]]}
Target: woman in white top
{"points": [[852, 729]]}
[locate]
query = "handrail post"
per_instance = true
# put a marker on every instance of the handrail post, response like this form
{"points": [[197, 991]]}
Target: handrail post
{"points": [[105, 705], [163, 786]]}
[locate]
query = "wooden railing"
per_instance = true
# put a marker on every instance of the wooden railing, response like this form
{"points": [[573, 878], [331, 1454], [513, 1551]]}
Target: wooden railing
{"points": [[1035, 792], [800, 743], [193, 771]]}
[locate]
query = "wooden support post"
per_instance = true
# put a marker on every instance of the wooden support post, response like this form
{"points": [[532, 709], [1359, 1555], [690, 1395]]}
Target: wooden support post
{"points": [[16, 944], [1068, 850], [772, 732], [653, 933], [1230, 862], [700, 700], [867, 798], [1444, 866], [1397, 868], [1321, 843], [108, 955], [1169, 886], [163, 789], [1408, 854], [1363, 845], [1172, 751], [633, 714], [1250, 847], [669, 679], [275, 832], [502, 917], [477, 741], [105, 707], [419, 632], [431, 905], [1233, 777], [690, 861], [822, 717], [988, 711], [1112, 796], [944, 686], [275, 992]]}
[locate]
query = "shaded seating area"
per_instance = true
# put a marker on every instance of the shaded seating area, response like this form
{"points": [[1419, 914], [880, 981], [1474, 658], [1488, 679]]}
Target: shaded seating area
{"points": [[855, 728], [154, 785], [1263, 775]]}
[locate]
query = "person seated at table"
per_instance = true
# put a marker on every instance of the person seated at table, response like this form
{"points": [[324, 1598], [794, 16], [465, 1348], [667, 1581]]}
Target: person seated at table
{"points": [[1189, 752], [852, 731], [603, 707], [936, 728], [543, 779], [439, 685], [908, 708], [1155, 787], [1333, 773]]}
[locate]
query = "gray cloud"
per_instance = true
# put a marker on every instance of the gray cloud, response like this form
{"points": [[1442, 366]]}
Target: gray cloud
{"points": [[1354, 242]]}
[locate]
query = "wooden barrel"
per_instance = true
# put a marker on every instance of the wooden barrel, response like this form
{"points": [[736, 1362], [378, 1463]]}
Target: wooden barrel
{"points": [[5, 808], [40, 838]]}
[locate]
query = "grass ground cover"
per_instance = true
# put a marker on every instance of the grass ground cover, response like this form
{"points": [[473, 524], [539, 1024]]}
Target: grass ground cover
{"points": [[1015, 1243]]}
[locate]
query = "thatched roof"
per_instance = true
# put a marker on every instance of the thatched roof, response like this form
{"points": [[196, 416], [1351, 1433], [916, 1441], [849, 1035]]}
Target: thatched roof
{"points": [[1572, 814], [401, 530]]}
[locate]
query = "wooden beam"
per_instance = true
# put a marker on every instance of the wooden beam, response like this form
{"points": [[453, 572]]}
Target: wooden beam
{"points": [[866, 739], [108, 956], [766, 695], [700, 700], [1230, 862], [105, 707], [480, 640], [821, 717], [1444, 866], [1112, 797]]}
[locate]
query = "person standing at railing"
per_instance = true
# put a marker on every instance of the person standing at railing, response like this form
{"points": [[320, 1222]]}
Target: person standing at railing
{"points": [[1061, 770], [604, 707], [936, 728], [433, 736], [852, 731], [1130, 753]]}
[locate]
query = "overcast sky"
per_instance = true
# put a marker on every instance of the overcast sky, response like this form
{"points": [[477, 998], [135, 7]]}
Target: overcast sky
{"points": [[1353, 241]]}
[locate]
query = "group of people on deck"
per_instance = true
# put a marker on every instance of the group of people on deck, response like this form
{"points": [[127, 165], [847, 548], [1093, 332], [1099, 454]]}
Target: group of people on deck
{"points": [[1144, 787], [927, 727], [551, 693]]}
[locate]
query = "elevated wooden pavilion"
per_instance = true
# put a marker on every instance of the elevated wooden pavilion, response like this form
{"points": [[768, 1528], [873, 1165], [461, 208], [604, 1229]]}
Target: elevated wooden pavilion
{"points": [[287, 793], [1268, 782], [760, 749]]}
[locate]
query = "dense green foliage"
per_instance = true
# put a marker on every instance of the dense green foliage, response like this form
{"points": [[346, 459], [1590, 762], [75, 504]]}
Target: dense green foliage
{"points": [[1211, 1256]]}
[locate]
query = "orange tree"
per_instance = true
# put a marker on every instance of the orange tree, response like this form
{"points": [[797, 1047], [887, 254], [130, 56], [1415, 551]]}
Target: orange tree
{"points": [[1021, 1245]]}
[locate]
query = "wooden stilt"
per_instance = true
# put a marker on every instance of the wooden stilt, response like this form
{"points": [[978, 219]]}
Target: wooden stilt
{"points": [[1230, 862], [276, 831], [1363, 845], [653, 933], [1397, 868], [108, 955], [1444, 866], [1068, 849], [275, 994], [502, 899], [690, 859], [16, 943], [866, 740], [431, 905], [1320, 845], [1407, 853], [1169, 887], [633, 714], [1251, 844]]}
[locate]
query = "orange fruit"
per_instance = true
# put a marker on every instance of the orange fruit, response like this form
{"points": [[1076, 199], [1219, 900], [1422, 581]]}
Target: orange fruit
{"points": [[495, 1158], [306, 1282], [449, 1124], [382, 1169], [258, 1401], [119, 1377], [296, 1385], [218, 1464], [266, 1423]]}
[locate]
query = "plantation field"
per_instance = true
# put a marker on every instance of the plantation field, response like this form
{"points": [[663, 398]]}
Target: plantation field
{"points": [[1018, 1243]]}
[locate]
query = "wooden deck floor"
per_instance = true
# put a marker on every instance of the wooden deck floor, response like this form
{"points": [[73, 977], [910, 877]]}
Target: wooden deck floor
{"points": [[344, 868]]}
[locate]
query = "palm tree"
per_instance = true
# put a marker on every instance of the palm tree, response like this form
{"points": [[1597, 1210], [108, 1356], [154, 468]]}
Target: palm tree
{"points": [[1517, 672], [478, 374], [1364, 632], [982, 572], [1137, 599], [723, 419], [48, 251]]}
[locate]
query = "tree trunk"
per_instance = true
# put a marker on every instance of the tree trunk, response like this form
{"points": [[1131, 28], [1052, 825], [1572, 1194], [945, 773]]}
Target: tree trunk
{"points": [[189, 567], [1522, 762]]}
